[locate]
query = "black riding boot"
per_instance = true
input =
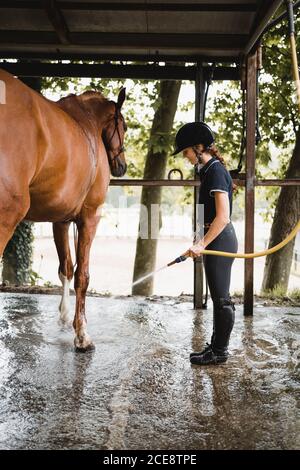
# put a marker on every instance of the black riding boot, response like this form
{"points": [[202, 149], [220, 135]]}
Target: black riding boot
{"points": [[208, 345], [217, 351]]}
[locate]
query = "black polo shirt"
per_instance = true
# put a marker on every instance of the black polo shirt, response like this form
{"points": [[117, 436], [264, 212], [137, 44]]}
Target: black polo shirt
{"points": [[214, 177]]}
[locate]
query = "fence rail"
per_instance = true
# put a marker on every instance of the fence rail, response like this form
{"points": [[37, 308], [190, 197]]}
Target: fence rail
{"points": [[180, 182]]}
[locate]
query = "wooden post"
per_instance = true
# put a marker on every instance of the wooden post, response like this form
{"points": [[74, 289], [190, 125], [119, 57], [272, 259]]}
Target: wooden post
{"points": [[198, 262], [250, 180]]}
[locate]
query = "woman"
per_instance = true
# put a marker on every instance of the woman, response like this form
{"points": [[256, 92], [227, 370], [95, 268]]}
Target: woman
{"points": [[196, 141]]}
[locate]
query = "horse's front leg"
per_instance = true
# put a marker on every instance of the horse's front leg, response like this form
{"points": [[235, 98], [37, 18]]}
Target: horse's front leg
{"points": [[86, 233]]}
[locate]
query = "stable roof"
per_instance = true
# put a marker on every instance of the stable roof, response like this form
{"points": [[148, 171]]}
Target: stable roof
{"points": [[136, 29]]}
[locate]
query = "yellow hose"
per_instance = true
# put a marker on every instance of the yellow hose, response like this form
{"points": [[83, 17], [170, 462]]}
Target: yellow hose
{"points": [[254, 255]]}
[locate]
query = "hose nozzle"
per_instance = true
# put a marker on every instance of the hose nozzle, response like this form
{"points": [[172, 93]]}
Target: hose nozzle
{"points": [[178, 260]]}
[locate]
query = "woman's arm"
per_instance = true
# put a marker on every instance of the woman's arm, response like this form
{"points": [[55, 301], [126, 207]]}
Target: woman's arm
{"points": [[218, 224]]}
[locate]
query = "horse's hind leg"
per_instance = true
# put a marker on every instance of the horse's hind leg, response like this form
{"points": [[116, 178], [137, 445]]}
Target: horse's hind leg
{"points": [[13, 209], [65, 270]]}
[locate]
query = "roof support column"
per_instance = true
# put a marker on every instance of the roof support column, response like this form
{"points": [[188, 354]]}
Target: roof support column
{"points": [[251, 104], [198, 262]]}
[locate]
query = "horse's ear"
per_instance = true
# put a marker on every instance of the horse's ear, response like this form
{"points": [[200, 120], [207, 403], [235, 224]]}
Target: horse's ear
{"points": [[121, 97]]}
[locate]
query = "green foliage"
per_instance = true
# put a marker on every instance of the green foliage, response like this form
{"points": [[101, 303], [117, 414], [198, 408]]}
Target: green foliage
{"points": [[279, 110], [17, 257], [279, 293], [160, 142], [48, 284], [276, 295], [278, 121], [34, 277]]}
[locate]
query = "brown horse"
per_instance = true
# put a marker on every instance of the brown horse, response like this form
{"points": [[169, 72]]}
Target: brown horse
{"points": [[56, 159]]}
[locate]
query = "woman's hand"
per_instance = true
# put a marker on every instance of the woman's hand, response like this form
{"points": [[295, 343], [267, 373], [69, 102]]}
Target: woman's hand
{"points": [[195, 250]]}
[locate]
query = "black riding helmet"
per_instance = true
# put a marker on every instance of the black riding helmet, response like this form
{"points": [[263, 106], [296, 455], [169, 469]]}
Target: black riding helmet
{"points": [[193, 133]]}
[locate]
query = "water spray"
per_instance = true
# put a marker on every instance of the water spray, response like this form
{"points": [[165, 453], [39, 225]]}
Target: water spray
{"points": [[227, 254], [141, 279]]}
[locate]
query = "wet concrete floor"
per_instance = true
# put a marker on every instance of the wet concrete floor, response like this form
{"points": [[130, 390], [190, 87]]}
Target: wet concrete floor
{"points": [[137, 390]]}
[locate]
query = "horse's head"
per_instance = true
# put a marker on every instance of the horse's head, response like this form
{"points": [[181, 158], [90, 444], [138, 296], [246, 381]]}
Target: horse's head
{"points": [[113, 137]]}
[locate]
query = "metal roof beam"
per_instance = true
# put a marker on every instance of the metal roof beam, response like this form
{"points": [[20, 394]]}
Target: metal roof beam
{"points": [[150, 72], [130, 6], [263, 16], [137, 40], [101, 56], [161, 40]]}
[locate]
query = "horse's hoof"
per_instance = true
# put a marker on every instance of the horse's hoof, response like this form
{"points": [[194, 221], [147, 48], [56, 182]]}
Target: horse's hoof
{"points": [[65, 324], [83, 349]]}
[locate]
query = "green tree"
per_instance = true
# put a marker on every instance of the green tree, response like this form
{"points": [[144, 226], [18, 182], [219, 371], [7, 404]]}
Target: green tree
{"points": [[283, 123]]}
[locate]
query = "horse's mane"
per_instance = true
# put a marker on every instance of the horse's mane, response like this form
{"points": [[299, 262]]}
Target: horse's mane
{"points": [[86, 95], [75, 105], [92, 94]]}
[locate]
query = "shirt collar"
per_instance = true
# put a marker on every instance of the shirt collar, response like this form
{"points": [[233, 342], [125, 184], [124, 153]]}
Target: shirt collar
{"points": [[206, 167]]}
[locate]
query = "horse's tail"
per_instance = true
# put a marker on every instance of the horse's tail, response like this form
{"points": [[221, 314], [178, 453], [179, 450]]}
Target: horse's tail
{"points": [[75, 234]]}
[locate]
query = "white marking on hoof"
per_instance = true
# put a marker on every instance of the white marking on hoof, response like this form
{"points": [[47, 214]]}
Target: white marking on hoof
{"points": [[83, 345], [99, 211], [82, 341], [64, 306]]}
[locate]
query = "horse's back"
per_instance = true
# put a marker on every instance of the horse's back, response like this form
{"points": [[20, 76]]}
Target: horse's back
{"points": [[25, 122], [16, 138], [44, 149]]}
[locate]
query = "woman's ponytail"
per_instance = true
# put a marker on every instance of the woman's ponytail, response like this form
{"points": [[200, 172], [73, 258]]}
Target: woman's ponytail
{"points": [[214, 152]]}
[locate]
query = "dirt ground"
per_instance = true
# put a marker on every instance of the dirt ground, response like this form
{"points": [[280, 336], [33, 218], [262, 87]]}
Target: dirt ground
{"points": [[138, 390]]}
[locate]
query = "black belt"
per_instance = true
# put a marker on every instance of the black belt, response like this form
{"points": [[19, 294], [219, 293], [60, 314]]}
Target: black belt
{"points": [[208, 224]]}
